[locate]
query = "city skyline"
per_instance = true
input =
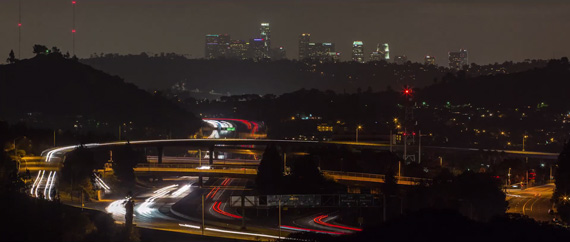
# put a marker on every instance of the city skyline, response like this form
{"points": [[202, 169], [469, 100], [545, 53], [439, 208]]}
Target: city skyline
{"points": [[101, 27]]}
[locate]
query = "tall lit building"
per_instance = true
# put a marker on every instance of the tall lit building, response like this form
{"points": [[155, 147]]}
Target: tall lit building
{"points": [[304, 40], [382, 53], [257, 49], [217, 46], [238, 49], [322, 52], [400, 59], [458, 59], [429, 60], [358, 51], [265, 34], [384, 49]]}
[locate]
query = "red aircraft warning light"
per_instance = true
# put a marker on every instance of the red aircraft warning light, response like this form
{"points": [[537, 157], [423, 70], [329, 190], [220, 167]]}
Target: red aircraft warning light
{"points": [[73, 2]]}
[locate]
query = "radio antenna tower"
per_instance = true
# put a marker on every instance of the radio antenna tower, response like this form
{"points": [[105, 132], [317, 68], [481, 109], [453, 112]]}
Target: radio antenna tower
{"points": [[20, 29], [73, 3]]}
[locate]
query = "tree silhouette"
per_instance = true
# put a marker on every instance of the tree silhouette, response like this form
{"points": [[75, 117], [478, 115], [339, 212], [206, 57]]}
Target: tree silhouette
{"points": [[270, 170], [125, 159], [11, 57], [562, 177], [40, 50]]}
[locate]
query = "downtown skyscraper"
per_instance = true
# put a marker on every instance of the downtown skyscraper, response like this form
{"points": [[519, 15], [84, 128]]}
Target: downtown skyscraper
{"points": [[358, 51], [458, 59]]}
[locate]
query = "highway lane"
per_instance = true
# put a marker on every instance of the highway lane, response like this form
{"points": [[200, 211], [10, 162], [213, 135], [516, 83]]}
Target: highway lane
{"points": [[533, 202]]}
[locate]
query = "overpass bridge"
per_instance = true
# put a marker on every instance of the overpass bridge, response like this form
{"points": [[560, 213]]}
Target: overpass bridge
{"points": [[194, 170]]}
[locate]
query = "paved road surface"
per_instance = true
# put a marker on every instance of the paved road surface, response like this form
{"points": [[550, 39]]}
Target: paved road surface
{"points": [[533, 202]]}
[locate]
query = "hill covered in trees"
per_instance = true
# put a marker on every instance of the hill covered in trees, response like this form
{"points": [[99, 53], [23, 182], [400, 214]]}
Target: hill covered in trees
{"points": [[50, 90], [548, 85], [238, 77]]}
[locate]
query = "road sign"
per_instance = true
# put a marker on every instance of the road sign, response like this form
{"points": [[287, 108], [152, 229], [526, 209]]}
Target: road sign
{"points": [[248, 201]]}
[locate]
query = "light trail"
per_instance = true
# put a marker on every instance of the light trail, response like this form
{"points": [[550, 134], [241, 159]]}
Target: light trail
{"points": [[319, 220], [181, 190], [146, 207], [216, 207], [117, 207], [35, 183], [51, 185], [215, 189], [48, 183], [310, 230], [189, 226], [102, 183], [243, 233], [40, 182]]}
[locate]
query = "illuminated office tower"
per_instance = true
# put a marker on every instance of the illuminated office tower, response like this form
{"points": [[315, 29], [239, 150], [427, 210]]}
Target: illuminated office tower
{"points": [[458, 59], [382, 53], [265, 34], [304, 40], [238, 50], [384, 49], [358, 51], [257, 49], [217, 46]]}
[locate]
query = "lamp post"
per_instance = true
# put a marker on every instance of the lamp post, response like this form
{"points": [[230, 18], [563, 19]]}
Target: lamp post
{"points": [[526, 157], [359, 127]]}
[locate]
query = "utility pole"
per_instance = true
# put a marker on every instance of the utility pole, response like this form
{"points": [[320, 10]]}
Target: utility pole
{"points": [[54, 138], [405, 144], [399, 169], [284, 162], [384, 207], [419, 147], [390, 140], [203, 222], [357, 128], [279, 206], [119, 132], [200, 155]]}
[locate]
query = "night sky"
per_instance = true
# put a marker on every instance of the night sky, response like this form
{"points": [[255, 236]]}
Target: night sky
{"points": [[492, 31]]}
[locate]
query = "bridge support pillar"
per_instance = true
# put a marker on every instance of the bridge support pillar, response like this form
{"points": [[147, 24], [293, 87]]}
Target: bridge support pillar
{"points": [[200, 181], [160, 150], [211, 155]]}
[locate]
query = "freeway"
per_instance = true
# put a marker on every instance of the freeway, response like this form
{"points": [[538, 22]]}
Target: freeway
{"points": [[533, 202]]}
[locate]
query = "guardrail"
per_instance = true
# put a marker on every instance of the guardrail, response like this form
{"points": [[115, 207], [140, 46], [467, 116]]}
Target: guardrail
{"points": [[193, 168], [373, 177]]}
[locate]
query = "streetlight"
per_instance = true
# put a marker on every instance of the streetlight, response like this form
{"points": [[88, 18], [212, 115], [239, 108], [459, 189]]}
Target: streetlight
{"points": [[524, 138], [359, 127]]}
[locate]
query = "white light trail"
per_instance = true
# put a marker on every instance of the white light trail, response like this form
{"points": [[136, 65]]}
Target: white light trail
{"points": [[117, 207], [101, 183], [145, 208], [181, 190], [189, 226], [35, 182], [39, 183], [51, 185], [46, 187]]}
